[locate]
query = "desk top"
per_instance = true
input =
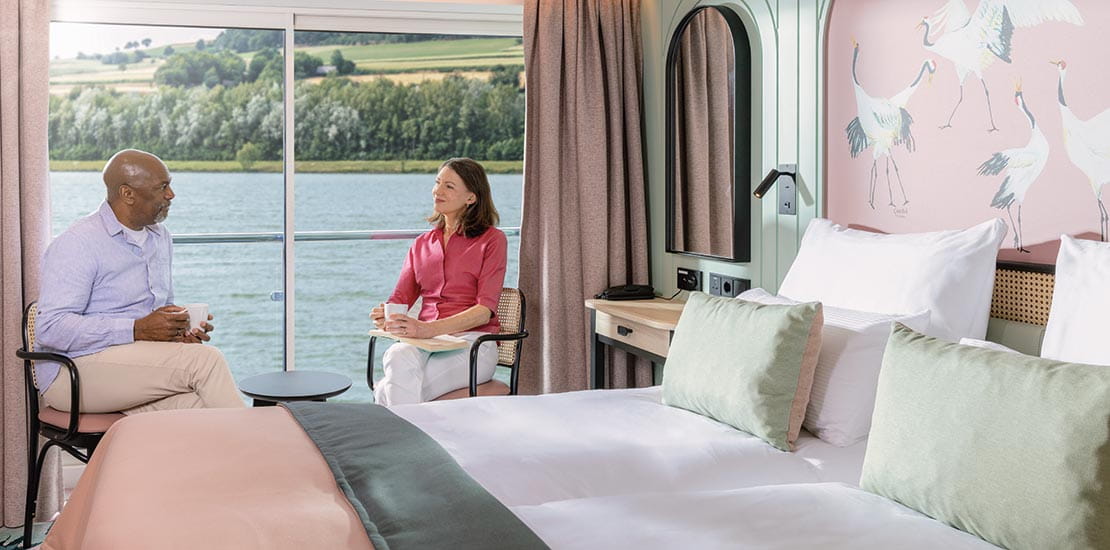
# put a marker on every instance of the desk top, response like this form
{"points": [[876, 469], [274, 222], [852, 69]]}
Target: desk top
{"points": [[655, 313]]}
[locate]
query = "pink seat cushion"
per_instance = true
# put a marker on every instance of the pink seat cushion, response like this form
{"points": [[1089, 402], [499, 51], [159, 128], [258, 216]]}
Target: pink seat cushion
{"points": [[86, 423], [493, 387]]}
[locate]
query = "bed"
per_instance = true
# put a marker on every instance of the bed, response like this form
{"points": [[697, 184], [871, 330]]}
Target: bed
{"points": [[603, 468], [244, 468]]}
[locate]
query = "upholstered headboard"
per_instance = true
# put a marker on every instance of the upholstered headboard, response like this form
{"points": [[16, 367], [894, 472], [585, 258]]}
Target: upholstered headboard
{"points": [[1020, 305]]}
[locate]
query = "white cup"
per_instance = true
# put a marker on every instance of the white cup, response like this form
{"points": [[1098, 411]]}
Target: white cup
{"points": [[198, 313], [394, 309]]}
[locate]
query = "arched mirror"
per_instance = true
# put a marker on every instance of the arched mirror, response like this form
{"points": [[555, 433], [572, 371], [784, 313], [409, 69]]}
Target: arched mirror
{"points": [[708, 136]]}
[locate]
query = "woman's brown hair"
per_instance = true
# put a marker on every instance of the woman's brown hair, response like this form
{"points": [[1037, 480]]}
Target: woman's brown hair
{"points": [[478, 216]]}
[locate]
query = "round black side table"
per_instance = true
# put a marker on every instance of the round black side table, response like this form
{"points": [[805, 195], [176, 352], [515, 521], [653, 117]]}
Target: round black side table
{"points": [[295, 385]]}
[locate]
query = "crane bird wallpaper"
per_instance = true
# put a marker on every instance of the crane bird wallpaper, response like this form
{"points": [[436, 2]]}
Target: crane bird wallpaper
{"points": [[963, 110]]}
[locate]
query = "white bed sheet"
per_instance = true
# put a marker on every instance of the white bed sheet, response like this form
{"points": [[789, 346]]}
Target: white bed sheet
{"points": [[535, 449], [829, 516]]}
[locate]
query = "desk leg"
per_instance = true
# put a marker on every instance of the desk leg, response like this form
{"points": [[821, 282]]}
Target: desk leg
{"points": [[597, 356]]}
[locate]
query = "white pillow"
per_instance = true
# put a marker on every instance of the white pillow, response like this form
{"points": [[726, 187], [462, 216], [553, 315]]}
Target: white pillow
{"points": [[1079, 322], [852, 344], [948, 273], [986, 344]]}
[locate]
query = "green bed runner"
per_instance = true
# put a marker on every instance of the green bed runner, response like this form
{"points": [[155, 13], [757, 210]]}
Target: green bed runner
{"points": [[405, 487]]}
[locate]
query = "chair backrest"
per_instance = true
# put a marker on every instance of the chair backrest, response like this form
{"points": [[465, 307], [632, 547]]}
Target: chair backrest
{"points": [[29, 316], [510, 313]]}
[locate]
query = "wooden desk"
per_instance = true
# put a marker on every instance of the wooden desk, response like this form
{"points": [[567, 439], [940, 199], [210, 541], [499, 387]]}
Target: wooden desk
{"points": [[640, 327]]}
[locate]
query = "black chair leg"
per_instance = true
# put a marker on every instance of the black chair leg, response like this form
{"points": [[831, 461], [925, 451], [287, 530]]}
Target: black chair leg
{"points": [[34, 471]]}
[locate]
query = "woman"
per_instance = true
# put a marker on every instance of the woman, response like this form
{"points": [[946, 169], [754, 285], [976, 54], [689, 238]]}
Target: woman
{"points": [[458, 269]]}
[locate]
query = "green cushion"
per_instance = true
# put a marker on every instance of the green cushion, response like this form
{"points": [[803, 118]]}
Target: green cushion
{"points": [[1009, 447], [745, 364]]}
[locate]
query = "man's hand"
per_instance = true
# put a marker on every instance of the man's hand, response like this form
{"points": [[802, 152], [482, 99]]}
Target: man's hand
{"points": [[198, 335], [166, 324]]}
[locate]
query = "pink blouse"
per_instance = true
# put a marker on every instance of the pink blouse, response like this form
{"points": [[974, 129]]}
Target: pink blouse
{"points": [[467, 273]]}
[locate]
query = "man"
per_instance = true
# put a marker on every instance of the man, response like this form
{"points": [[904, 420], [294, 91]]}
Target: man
{"points": [[107, 301]]}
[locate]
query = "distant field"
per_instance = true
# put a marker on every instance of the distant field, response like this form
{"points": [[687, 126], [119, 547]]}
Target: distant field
{"points": [[404, 63], [342, 166], [477, 47]]}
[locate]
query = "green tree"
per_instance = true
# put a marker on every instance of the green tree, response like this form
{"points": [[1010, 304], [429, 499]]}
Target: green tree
{"points": [[506, 75], [196, 68], [248, 154], [305, 65], [167, 51], [200, 45], [146, 42], [267, 64], [342, 66]]}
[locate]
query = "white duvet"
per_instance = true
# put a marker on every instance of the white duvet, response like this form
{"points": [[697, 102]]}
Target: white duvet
{"points": [[828, 516], [539, 449]]}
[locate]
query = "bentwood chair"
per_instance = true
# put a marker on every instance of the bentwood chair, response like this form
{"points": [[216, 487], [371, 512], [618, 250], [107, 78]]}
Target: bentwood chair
{"points": [[72, 431], [510, 313]]}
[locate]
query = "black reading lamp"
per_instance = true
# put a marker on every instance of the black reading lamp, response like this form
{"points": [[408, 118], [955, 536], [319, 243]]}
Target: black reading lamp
{"points": [[770, 180]]}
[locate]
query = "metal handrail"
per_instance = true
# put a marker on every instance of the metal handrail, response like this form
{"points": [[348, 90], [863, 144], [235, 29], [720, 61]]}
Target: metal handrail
{"points": [[306, 236]]}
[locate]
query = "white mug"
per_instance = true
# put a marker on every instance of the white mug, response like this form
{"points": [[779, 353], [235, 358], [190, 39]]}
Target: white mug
{"points": [[198, 313], [394, 309]]}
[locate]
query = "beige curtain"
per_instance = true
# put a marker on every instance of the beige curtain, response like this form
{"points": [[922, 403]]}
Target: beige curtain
{"points": [[24, 231], [704, 85], [584, 223]]}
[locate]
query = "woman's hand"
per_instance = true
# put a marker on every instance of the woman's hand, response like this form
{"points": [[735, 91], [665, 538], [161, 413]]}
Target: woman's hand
{"points": [[378, 316], [408, 327]]}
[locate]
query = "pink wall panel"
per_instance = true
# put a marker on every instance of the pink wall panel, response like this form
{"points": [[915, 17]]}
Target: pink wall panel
{"points": [[951, 176]]}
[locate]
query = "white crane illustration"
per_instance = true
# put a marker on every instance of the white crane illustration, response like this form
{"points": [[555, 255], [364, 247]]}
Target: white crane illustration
{"points": [[1023, 165], [883, 124], [1088, 145], [973, 41]]}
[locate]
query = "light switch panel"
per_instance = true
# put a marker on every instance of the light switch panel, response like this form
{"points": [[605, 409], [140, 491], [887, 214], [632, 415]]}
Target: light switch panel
{"points": [[788, 190]]}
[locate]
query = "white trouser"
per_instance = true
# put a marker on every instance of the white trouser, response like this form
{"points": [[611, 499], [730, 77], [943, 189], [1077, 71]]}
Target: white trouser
{"points": [[413, 375]]}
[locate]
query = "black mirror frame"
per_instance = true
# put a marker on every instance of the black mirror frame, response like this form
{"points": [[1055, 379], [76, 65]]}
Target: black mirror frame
{"points": [[742, 116]]}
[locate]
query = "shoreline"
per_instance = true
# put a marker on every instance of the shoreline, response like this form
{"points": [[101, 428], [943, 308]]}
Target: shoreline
{"points": [[303, 167]]}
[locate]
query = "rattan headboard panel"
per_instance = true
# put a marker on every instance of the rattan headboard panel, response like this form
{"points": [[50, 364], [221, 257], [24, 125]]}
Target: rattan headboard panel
{"points": [[1022, 293]]}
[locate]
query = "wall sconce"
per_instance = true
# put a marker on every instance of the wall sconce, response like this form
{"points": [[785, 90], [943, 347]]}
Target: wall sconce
{"points": [[788, 193]]}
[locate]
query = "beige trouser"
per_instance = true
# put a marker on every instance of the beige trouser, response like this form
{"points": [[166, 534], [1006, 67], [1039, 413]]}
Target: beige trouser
{"points": [[149, 376]]}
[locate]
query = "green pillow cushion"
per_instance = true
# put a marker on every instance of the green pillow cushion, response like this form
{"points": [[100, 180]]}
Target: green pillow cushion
{"points": [[745, 364], [1012, 448]]}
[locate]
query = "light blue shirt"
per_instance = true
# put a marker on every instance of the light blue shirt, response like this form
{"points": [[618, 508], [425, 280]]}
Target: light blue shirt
{"points": [[96, 281]]}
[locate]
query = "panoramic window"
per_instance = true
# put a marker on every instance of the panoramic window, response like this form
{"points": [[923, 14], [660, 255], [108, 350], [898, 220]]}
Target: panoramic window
{"points": [[178, 93], [373, 124], [374, 116]]}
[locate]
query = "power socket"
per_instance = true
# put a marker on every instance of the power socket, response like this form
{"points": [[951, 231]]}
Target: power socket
{"points": [[727, 286], [689, 279]]}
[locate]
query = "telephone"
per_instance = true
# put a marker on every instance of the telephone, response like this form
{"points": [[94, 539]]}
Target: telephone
{"points": [[627, 292]]}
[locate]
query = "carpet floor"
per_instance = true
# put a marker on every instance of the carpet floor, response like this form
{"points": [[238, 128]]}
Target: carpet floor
{"points": [[11, 538]]}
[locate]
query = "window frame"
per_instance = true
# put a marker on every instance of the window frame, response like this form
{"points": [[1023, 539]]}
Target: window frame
{"points": [[388, 16]]}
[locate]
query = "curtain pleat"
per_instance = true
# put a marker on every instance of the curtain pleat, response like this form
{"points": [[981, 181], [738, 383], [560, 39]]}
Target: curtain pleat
{"points": [[584, 223], [24, 232]]}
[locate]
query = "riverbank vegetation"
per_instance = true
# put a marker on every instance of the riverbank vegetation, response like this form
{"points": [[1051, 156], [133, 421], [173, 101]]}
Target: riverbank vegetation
{"points": [[220, 104], [313, 166]]}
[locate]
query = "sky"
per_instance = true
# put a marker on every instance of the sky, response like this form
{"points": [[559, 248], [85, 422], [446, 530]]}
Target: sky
{"points": [[66, 39]]}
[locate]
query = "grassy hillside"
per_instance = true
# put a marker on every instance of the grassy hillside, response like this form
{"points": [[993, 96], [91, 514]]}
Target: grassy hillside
{"points": [[403, 62]]}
